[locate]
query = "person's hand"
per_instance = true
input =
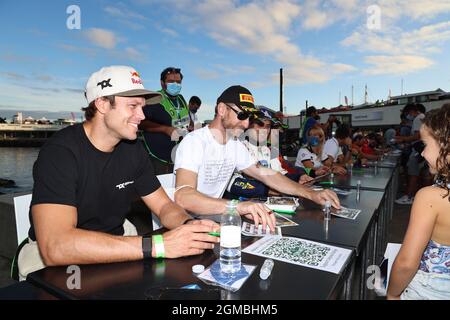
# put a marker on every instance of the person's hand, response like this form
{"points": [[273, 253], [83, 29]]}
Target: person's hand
{"points": [[339, 170], [189, 239], [398, 139], [176, 133], [205, 222], [320, 197], [258, 212], [304, 178], [322, 170]]}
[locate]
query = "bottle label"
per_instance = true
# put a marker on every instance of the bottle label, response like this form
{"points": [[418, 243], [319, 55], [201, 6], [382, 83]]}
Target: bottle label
{"points": [[230, 236]]}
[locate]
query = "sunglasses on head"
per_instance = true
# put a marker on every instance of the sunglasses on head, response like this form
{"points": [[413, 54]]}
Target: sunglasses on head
{"points": [[168, 71], [172, 70], [241, 115]]}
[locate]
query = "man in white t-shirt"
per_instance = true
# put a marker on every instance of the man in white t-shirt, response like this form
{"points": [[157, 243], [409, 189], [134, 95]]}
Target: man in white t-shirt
{"points": [[206, 159], [332, 155], [414, 166]]}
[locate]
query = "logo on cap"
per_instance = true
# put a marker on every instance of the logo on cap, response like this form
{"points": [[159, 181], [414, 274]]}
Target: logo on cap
{"points": [[105, 83], [266, 113], [135, 74], [243, 97]]}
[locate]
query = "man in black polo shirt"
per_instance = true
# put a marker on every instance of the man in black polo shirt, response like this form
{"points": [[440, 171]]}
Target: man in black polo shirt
{"points": [[166, 121], [86, 177]]}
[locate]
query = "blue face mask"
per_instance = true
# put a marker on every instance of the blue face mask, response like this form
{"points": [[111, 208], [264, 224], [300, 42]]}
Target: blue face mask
{"points": [[173, 88], [410, 117], [313, 141]]}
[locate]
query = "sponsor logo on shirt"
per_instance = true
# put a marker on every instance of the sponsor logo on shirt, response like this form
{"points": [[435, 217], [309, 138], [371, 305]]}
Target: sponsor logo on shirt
{"points": [[244, 185], [123, 185]]}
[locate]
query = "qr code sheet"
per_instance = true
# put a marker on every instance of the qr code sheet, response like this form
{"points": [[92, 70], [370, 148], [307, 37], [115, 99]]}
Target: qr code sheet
{"points": [[296, 250]]}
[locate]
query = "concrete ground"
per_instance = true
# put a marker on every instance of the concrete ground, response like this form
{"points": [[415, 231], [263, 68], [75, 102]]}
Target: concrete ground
{"points": [[397, 229]]}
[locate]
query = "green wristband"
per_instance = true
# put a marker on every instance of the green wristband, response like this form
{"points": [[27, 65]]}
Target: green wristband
{"points": [[159, 245], [308, 171]]}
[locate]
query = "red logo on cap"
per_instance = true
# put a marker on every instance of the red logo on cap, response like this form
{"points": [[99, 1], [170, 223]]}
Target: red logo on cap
{"points": [[246, 98], [133, 80]]}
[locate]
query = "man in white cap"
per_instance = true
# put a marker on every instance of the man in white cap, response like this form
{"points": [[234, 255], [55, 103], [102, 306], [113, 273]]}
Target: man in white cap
{"points": [[86, 177]]}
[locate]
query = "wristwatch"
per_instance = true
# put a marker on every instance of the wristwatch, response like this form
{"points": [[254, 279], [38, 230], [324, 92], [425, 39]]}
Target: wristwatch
{"points": [[147, 246]]}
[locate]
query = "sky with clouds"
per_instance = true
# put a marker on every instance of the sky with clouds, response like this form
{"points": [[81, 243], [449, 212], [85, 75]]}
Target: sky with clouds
{"points": [[324, 47]]}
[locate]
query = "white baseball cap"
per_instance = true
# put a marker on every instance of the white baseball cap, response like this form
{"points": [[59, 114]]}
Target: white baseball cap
{"points": [[118, 81]]}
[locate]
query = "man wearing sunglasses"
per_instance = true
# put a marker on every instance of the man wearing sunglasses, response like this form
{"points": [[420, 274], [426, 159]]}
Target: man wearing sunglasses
{"points": [[165, 122], [206, 159]]}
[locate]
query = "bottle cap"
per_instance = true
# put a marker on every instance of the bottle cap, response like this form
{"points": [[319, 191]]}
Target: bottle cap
{"points": [[198, 268]]}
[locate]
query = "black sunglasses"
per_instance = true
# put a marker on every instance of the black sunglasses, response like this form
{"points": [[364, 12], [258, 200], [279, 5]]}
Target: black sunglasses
{"points": [[241, 115]]}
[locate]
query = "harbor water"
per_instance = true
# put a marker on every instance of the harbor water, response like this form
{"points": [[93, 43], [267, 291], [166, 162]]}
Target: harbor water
{"points": [[17, 164]]}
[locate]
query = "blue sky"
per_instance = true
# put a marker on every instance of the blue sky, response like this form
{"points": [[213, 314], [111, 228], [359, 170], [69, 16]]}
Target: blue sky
{"points": [[324, 47]]}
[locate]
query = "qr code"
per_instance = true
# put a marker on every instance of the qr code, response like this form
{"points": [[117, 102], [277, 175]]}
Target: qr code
{"points": [[296, 250]]}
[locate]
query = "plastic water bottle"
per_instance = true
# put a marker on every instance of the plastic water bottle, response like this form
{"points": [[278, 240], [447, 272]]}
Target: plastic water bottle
{"points": [[230, 239], [266, 269]]}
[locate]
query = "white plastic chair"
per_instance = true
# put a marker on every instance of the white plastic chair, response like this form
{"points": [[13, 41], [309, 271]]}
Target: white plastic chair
{"points": [[168, 184], [21, 210]]}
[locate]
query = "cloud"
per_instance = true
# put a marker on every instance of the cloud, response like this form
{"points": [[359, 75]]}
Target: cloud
{"points": [[17, 58], [392, 50], [256, 84], [262, 28], [316, 20], [27, 79], [206, 74], [91, 52], [123, 13], [41, 98], [125, 16], [316, 14], [233, 70], [42, 89], [44, 78], [168, 31], [419, 10], [133, 54], [400, 42], [397, 65], [12, 76], [101, 38]]}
